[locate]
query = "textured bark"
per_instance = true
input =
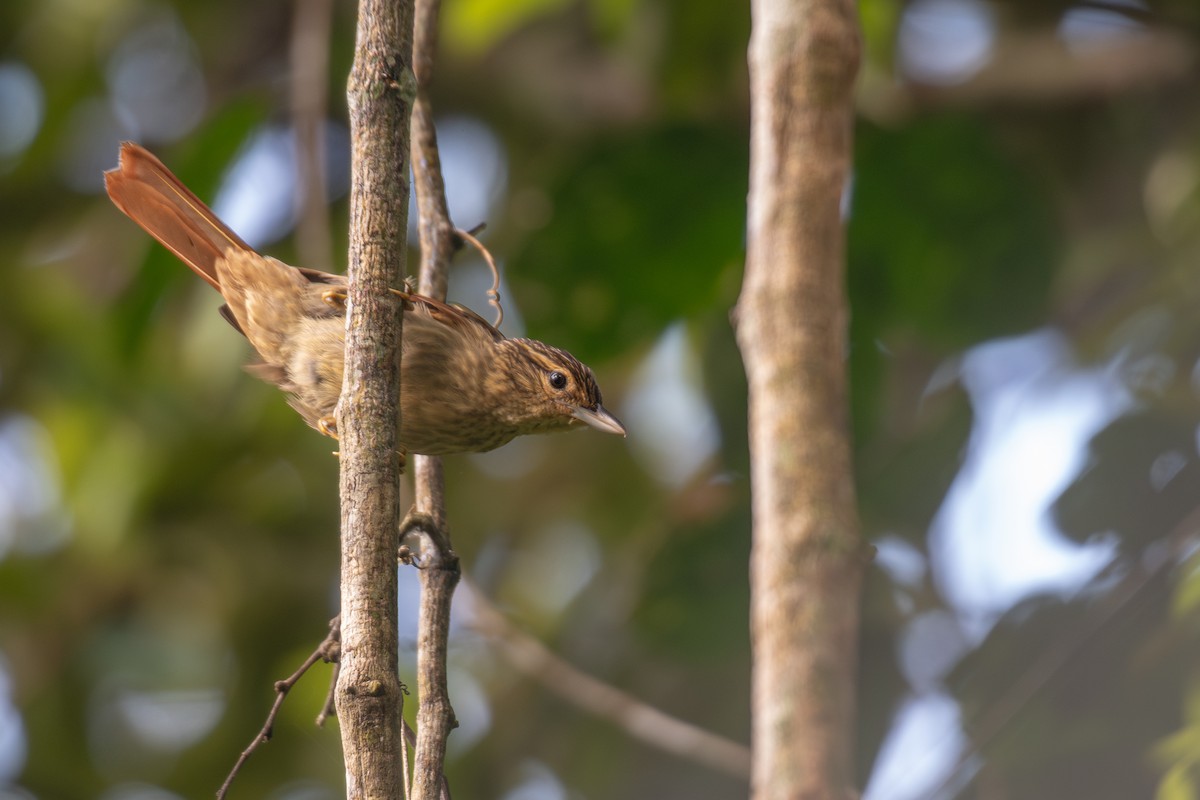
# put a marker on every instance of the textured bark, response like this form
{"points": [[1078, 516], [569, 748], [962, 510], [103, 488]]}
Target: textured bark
{"points": [[440, 574], [369, 700], [807, 558]]}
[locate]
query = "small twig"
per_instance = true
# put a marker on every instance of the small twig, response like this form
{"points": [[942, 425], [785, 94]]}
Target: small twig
{"points": [[439, 570], [639, 720], [435, 716], [328, 651], [494, 292], [335, 657], [410, 739], [329, 709], [408, 744]]}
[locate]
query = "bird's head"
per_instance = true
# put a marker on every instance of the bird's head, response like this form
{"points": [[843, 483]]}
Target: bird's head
{"points": [[549, 390]]}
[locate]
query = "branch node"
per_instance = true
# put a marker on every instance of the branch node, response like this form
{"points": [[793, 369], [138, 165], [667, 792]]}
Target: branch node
{"points": [[398, 76], [327, 646], [435, 551]]}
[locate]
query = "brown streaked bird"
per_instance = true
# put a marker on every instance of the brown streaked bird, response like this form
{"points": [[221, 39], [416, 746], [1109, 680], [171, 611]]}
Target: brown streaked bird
{"points": [[465, 387]]}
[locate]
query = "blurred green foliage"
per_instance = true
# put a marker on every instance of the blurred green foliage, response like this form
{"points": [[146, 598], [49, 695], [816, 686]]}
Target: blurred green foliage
{"points": [[168, 526]]}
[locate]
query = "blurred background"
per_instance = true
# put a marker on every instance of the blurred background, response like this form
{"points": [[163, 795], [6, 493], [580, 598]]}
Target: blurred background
{"points": [[1024, 227]]}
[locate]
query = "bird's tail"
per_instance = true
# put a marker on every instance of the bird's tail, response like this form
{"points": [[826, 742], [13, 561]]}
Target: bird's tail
{"points": [[150, 195]]}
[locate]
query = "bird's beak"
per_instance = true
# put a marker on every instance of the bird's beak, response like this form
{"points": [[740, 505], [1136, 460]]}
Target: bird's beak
{"points": [[599, 418]]}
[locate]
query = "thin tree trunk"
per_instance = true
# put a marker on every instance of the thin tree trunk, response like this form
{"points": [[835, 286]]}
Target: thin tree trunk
{"points": [[369, 699], [807, 559], [440, 572]]}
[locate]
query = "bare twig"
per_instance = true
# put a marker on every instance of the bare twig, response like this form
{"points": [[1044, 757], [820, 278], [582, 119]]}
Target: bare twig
{"points": [[327, 708], [435, 716], [439, 573], [410, 743], [410, 738], [639, 720], [494, 292], [328, 651]]}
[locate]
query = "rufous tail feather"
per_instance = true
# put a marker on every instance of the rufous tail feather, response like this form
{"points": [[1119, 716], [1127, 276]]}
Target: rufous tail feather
{"points": [[149, 194]]}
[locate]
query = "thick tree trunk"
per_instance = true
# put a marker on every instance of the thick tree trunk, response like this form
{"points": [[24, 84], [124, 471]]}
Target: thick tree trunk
{"points": [[807, 559], [369, 700]]}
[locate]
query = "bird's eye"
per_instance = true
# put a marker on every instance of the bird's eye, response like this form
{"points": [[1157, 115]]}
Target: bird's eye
{"points": [[558, 380]]}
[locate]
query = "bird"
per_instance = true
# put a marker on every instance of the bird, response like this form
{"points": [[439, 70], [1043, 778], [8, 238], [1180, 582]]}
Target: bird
{"points": [[464, 386]]}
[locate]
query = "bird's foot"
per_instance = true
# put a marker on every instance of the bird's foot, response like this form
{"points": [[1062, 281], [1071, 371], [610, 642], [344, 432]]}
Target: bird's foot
{"points": [[328, 426], [334, 298]]}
